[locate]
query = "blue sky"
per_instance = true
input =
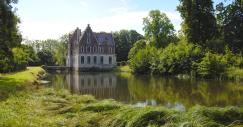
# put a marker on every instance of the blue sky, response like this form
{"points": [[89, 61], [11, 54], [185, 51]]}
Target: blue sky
{"points": [[42, 19]]}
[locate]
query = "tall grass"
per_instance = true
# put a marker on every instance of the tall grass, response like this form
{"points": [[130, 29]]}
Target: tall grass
{"points": [[47, 107]]}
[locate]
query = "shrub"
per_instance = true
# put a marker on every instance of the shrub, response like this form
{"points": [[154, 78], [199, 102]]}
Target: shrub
{"points": [[177, 58], [20, 58], [211, 65], [5, 64], [141, 61]]}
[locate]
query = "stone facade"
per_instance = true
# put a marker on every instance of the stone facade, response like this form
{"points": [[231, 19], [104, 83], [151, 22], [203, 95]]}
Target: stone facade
{"points": [[90, 50]]}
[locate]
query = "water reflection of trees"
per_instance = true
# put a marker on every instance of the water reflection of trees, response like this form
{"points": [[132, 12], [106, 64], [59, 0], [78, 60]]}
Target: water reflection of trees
{"points": [[131, 89], [186, 92]]}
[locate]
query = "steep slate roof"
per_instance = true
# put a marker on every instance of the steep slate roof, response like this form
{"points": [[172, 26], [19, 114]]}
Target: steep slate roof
{"points": [[103, 38]]}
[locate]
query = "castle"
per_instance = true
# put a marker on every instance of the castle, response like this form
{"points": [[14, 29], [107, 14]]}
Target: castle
{"points": [[88, 50]]}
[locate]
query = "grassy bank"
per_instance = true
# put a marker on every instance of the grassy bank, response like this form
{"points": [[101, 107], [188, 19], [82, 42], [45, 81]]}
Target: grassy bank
{"points": [[46, 107], [123, 69], [13, 82]]}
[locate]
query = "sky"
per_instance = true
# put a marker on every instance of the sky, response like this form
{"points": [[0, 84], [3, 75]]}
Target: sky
{"points": [[50, 19]]}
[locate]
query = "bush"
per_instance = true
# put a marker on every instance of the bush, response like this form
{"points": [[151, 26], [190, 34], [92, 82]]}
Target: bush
{"points": [[5, 63], [177, 58], [20, 58], [212, 65], [141, 61]]}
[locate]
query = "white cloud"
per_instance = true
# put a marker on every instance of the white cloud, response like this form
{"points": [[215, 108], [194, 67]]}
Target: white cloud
{"points": [[126, 20], [44, 30], [83, 3], [118, 10]]}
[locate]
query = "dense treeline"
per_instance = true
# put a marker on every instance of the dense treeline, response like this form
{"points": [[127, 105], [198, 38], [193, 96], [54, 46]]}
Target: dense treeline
{"points": [[124, 40], [48, 52], [9, 37], [209, 43]]}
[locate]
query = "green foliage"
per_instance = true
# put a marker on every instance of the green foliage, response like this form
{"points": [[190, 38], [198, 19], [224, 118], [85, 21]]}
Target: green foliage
{"points": [[158, 29], [46, 57], [49, 52], [9, 35], [32, 57], [60, 51], [136, 47], [124, 40], [20, 58], [211, 65], [5, 63], [231, 24], [199, 23], [141, 62], [177, 58]]}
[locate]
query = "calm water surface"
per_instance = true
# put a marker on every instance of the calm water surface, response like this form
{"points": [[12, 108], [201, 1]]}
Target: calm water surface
{"points": [[144, 90]]}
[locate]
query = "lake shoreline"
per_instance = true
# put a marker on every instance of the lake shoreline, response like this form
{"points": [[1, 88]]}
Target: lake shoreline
{"points": [[11, 83], [50, 107]]}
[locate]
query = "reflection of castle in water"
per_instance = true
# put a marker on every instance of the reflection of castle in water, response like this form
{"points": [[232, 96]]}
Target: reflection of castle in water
{"points": [[101, 85]]}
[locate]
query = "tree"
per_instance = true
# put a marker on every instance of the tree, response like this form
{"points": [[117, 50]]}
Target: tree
{"points": [[9, 35], [20, 58], [158, 29], [60, 50], [230, 19], [199, 21], [32, 57], [140, 44], [124, 40], [46, 57]]}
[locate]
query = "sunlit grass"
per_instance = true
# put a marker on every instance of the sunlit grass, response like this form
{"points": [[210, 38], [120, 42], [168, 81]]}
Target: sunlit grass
{"points": [[125, 68], [48, 107], [12, 82]]}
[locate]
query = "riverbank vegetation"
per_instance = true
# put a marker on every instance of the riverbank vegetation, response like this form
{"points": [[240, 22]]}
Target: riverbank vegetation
{"points": [[48, 107], [208, 47], [14, 82]]}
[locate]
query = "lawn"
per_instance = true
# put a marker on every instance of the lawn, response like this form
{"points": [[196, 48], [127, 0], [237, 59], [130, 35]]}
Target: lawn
{"points": [[13, 82]]}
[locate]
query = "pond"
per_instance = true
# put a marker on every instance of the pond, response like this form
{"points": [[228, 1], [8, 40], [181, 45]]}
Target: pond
{"points": [[141, 90]]}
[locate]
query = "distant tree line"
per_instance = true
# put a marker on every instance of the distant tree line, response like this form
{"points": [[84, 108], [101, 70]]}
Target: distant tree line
{"points": [[47, 52], [209, 43]]}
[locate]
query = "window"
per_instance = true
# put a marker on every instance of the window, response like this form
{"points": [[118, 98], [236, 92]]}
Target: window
{"points": [[82, 49], [82, 59], [110, 60], [95, 59], [101, 60], [99, 49], [88, 59], [82, 82]]}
